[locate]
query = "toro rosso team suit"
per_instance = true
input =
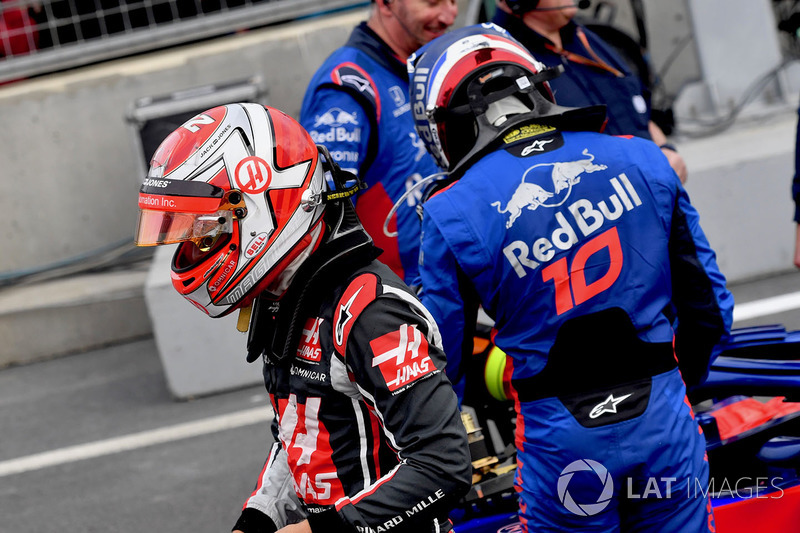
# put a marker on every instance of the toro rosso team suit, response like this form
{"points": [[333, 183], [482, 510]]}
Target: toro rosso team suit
{"points": [[586, 252], [368, 437], [357, 106], [593, 74]]}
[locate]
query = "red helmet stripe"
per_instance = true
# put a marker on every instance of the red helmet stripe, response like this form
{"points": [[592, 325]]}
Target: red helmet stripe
{"points": [[467, 64], [178, 204], [187, 139], [295, 144]]}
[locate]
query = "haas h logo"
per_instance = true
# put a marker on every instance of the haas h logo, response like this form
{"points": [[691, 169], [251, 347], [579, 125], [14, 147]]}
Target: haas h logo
{"points": [[402, 356], [565, 174]]}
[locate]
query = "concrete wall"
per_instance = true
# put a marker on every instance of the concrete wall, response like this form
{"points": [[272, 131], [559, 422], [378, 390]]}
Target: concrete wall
{"points": [[740, 182], [70, 172], [199, 356]]}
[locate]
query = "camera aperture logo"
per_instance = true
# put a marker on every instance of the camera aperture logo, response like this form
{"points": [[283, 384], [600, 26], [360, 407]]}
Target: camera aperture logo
{"points": [[663, 488], [585, 509]]}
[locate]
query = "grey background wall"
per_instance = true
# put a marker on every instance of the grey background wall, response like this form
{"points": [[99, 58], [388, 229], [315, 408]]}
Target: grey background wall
{"points": [[70, 171]]}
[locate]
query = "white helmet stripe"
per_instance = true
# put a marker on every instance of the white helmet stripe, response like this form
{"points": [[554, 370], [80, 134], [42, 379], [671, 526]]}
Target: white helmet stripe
{"points": [[262, 129], [463, 48]]}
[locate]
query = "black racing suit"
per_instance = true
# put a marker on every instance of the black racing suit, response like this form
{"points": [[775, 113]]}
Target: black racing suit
{"points": [[368, 435]]}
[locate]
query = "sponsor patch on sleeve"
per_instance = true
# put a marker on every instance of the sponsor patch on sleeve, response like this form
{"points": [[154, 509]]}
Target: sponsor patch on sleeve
{"points": [[353, 76], [309, 348], [402, 356], [361, 291]]}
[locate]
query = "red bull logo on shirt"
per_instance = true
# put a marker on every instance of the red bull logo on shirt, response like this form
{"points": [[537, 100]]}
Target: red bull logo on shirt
{"points": [[565, 174], [587, 218], [336, 125], [335, 117]]}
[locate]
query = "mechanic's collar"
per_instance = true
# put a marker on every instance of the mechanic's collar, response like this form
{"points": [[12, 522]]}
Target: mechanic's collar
{"points": [[366, 40], [531, 39]]}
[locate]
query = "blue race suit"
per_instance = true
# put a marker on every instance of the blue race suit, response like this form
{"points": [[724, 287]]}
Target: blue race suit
{"points": [[585, 250], [357, 106], [582, 85]]}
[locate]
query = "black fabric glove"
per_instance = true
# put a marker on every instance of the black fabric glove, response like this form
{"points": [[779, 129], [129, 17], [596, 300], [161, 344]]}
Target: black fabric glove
{"points": [[253, 521]]}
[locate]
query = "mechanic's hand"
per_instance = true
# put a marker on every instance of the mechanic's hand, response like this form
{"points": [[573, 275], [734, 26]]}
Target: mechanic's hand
{"points": [[300, 527], [677, 163], [675, 159]]}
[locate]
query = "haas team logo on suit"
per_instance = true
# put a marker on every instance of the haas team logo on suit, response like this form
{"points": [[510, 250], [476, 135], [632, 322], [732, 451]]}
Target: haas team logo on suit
{"points": [[565, 174]]}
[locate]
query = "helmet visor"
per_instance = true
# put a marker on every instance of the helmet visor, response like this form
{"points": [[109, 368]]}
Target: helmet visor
{"points": [[172, 211], [165, 227]]}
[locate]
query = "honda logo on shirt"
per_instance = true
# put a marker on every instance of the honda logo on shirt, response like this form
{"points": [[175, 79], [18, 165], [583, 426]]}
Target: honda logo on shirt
{"points": [[402, 356]]}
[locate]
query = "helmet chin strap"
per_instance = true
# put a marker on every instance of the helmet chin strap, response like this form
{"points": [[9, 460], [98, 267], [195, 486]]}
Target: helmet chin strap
{"points": [[311, 199], [243, 322]]}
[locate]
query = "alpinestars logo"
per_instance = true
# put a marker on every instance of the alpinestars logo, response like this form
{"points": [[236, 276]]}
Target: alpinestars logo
{"points": [[344, 317], [609, 405], [536, 146], [358, 82], [402, 356]]}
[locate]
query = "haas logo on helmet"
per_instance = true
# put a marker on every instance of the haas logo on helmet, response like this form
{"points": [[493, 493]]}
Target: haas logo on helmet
{"points": [[253, 175]]}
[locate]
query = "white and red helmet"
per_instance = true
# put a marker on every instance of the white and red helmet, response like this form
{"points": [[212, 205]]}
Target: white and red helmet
{"points": [[472, 84], [238, 186]]}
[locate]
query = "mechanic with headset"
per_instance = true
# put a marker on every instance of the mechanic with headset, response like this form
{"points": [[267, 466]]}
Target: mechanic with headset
{"points": [[357, 105], [605, 294], [367, 430], [594, 73]]}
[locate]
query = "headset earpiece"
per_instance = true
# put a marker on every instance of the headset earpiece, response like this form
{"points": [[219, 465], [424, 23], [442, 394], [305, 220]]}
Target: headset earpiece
{"points": [[518, 7]]}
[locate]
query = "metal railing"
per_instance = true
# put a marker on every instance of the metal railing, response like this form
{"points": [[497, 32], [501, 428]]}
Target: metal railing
{"points": [[43, 36]]}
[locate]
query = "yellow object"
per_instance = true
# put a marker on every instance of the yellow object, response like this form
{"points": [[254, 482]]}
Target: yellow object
{"points": [[493, 373], [243, 324]]}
